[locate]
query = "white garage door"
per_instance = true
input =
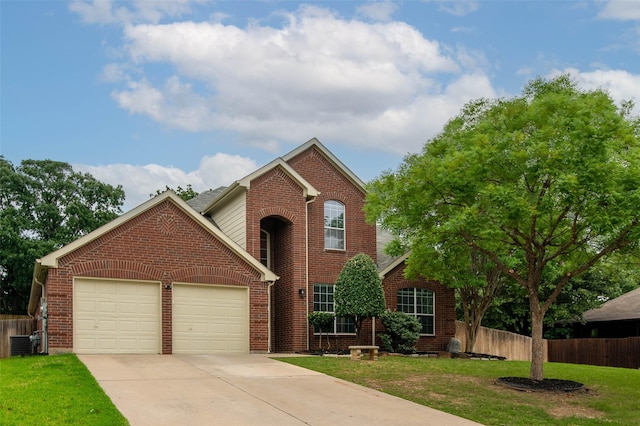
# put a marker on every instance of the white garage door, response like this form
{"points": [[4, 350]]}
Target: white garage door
{"points": [[210, 319], [116, 316]]}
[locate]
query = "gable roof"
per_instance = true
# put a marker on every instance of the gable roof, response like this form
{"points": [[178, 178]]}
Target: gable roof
{"points": [[51, 260], [203, 199], [314, 142], [245, 183], [625, 307], [391, 266]]}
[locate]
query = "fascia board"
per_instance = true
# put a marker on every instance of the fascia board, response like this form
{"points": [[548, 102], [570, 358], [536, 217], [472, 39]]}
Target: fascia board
{"points": [[331, 158], [394, 264], [51, 260], [224, 195], [307, 188]]}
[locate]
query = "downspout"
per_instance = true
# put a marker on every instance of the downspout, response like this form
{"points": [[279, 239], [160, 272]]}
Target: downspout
{"points": [[44, 312], [269, 315], [306, 292]]}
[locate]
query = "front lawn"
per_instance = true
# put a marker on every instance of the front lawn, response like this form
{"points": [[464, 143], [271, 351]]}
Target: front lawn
{"points": [[53, 390], [467, 388]]}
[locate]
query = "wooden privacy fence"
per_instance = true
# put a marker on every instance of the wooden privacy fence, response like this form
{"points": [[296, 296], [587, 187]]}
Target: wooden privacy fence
{"points": [[14, 326], [500, 343], [624, 352]]}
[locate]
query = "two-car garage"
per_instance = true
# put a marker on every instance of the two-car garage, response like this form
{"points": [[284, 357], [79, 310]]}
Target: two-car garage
{"points": [[125, 316]]}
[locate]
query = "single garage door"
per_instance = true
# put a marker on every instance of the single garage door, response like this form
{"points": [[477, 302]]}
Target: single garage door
{"points": [[210, 319], [116, 316]]}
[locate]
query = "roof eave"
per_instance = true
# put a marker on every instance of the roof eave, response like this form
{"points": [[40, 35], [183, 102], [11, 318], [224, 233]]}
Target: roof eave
{"points": [[353, 178], [394, 265]]}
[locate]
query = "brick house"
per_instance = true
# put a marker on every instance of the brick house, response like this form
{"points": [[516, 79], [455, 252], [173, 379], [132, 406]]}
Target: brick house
{"points": [[237, 269]]}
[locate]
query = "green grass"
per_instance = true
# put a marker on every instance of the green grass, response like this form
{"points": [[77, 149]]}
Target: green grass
{"points": [[467, 389], [53, 390]]}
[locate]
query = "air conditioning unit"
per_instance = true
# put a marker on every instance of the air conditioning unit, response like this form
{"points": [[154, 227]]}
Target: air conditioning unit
{"points": [[20, 345]]}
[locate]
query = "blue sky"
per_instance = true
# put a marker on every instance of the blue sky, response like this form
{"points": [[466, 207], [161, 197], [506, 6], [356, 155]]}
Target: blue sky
{"points": [[152, 93]]}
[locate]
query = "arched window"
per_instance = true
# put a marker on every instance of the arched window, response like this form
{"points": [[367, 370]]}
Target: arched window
{"points": [[334, 225], [419, 303]]}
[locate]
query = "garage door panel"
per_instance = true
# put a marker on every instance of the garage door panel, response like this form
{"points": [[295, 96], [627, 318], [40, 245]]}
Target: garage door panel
{"points": [[116, 316], [210, 319]]}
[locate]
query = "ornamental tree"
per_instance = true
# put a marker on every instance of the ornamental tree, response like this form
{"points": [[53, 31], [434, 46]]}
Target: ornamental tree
{"points": [[358, 292], [545, 185]]}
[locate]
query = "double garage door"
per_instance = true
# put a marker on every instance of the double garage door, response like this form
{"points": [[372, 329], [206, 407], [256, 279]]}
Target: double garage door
{"points": [[126, 317]]}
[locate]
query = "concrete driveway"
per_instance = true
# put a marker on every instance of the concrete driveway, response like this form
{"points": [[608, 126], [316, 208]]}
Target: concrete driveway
{"points": [[245, 390]]}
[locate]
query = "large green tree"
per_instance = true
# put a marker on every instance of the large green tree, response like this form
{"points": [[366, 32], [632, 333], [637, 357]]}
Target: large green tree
{"points": [[545, 184], [44, 205], [358, 292]]}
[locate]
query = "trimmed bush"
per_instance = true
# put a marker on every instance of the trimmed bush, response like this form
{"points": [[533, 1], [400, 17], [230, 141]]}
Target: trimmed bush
{"points": [[402, 331]]}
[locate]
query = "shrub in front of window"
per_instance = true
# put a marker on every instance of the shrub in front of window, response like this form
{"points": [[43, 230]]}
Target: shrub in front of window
{"points": [[402, 331], [358, 291], [322, 321]]}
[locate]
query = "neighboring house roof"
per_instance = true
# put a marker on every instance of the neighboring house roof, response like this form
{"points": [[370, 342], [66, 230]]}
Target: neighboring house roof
{"points": [[51, 260], [625, 307], [203, 199]]}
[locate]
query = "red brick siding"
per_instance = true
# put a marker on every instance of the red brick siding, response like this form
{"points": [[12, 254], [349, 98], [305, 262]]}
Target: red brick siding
{"points": [[162, 244], [445, 315], [360, 237], [276, 201]]}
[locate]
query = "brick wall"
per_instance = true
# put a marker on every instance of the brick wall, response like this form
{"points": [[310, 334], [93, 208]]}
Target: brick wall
{"points": [[360, 237], [276, 203], [163, 244], [445, 303]]}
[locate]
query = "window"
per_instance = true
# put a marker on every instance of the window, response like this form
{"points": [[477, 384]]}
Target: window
{"points": [[419, 303], [265, 248], [333, 225], [323, 302]]}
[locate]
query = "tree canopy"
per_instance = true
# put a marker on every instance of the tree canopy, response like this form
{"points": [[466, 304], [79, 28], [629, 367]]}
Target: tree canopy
{"points": [[44, 205], [184, 193], [358, 292], [545, 185]]}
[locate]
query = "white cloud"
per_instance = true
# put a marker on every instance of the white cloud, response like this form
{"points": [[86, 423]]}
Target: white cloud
{"points": [[626, 10], [176, 105], [114, 12], [139, 181], [378, 10], [621, 85], [458, 7], [318, 75]]}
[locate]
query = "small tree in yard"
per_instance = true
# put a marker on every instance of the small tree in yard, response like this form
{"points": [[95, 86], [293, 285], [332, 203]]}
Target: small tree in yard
{"points": [[358, 292], [322, 320], [402, 331]]}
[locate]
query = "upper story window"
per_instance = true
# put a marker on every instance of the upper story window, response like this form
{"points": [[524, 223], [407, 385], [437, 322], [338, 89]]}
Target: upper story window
{"points": [[419, 303], [333, 225], [265, 248]]}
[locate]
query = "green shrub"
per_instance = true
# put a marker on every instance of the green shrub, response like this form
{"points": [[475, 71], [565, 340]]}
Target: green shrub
{"points": [[322, 321], [402, 331]]}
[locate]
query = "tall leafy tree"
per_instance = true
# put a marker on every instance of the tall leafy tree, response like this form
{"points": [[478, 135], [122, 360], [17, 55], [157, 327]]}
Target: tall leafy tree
{"points": [[358, 292], [545, 184], [44, 205]]}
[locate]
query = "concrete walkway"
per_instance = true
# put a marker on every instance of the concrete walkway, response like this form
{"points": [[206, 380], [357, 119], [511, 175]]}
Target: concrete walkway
{"points": [[245, 390]]}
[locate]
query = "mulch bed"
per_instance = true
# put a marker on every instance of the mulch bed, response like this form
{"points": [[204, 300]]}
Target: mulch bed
{"points": [[546, 385]]}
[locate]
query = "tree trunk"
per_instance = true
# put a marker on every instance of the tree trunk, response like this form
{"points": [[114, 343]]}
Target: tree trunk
{"points": [[537, 352]]}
